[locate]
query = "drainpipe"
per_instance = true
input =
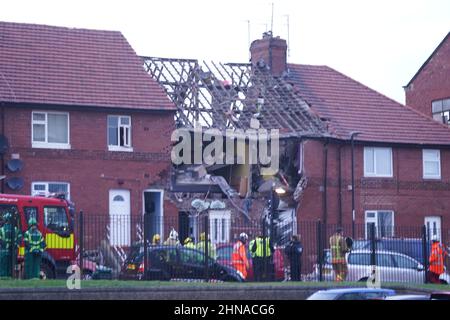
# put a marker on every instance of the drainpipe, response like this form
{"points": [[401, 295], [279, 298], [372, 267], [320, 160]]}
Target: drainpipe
{"points": [[2, 162], [352, 136], [340, 185], [325, 174]]}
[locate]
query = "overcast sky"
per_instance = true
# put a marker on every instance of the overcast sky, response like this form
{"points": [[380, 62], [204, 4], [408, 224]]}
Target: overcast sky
{"points": [[380, 43]]}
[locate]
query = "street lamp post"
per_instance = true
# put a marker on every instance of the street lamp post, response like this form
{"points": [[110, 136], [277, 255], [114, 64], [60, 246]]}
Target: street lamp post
{"points": [[352, 136]]}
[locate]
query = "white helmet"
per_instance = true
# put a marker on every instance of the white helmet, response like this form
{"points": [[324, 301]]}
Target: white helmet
{"points": [[243, 236], [173, 234]]}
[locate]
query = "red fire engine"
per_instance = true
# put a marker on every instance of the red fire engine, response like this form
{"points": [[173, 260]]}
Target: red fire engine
{"points": [[55, 219]]}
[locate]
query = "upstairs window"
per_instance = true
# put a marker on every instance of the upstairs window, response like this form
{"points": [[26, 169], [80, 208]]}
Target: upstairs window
{"points": [[119, 133], [431, 164], [50, 130], [441, 110], [377, 162], [47, 188]]}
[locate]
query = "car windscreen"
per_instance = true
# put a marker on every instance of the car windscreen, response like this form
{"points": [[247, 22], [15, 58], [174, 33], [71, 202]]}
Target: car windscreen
{"points": [[12, 211], [359, 259], [321, 295], [55, 219]]}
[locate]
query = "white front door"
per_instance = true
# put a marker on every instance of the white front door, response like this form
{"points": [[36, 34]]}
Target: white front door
{"points": [[120, 216], [433, 225]]}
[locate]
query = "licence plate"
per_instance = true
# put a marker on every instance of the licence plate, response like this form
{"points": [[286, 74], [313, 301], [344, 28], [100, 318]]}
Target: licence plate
{"points": [[131, 267]]}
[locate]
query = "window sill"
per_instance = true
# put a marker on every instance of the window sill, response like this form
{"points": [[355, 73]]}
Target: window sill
{"points": [[38, 145], [431, 178], [376, 176], [120, 149]]}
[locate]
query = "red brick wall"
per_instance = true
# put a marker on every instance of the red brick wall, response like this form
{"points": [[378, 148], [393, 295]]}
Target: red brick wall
{"points": [[411, 197], [88, 166], [432, 83]]}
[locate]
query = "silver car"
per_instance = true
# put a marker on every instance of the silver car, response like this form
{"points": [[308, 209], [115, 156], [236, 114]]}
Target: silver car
{"points": [[391, 267]]}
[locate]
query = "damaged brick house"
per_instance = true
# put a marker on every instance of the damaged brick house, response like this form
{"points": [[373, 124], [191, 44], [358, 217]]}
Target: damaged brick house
{"points": [[401, 158], [82, 116], [429, 89]]}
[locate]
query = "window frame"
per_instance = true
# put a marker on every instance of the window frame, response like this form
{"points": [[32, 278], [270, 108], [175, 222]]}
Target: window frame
{"points": [[443, 113], [375, 174], [434, 177], [220, 226], [47, 183], [378, 230], [45, 144], [118, 147]]}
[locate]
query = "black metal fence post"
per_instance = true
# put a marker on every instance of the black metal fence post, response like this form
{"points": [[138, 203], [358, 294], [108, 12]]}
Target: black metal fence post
{"points": [[320, 250], [206, 222], [146, 236], [81, 240], [264, 260], [425, 253], [373, 245], [13, 246]]}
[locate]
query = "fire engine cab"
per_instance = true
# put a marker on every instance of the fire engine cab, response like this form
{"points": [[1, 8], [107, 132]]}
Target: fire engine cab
{"points": [[55, 220]]}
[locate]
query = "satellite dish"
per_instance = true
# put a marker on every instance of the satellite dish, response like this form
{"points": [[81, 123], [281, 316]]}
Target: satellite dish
{"points": [[15, 183], [4, 145], [15, 165]]}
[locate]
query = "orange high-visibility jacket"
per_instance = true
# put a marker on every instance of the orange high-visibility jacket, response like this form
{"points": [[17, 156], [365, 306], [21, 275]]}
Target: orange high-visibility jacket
{"points": [[239, 258], [437, 258]]}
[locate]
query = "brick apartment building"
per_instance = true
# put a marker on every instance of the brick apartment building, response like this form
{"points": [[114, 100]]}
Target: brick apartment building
{"points": [[84, 118], [429, 89], [401, 157]]}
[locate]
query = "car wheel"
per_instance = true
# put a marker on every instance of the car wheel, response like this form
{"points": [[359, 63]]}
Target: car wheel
{"points": [[443, 281], [46, 272]]}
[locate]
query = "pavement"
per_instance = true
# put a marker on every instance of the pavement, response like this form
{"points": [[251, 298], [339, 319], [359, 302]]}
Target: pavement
{"points": [[259, 292]]}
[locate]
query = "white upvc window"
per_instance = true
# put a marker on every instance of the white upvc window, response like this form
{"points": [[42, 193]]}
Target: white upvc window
{"points": [[378, 162], [383, 220], [220, 226], [50, 130], [45, 188], [431, 164], [119, 133]]}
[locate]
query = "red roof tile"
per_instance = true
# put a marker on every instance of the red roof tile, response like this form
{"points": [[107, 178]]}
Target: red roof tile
{"points": [[55, 65], [351, 106]]}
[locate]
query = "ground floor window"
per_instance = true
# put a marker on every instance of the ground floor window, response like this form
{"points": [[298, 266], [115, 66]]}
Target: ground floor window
{"points": [[383, 220], [46, 188], [220, 225]]}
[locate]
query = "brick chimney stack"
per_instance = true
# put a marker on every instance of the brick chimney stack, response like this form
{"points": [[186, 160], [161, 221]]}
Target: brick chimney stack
{"points": [[272, 50]]}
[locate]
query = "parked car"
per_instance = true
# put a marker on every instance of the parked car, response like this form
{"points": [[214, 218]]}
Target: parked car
{"points": [[174, 262], [412, 247], [351, 294], [392, 267], [409, 297], [224, 252], [438, 295]]}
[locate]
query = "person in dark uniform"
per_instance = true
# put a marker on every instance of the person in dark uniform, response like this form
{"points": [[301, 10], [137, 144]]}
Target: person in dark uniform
{"points": [[294, 251]]}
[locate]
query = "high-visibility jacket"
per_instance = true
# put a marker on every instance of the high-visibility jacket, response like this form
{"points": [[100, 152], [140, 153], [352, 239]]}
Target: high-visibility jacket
{"points": [[250, 246], [6, 236], [211, 248], [437, 258], [34, 241], [338, 248], [190, 245], [258, 247], [239, 259]]}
